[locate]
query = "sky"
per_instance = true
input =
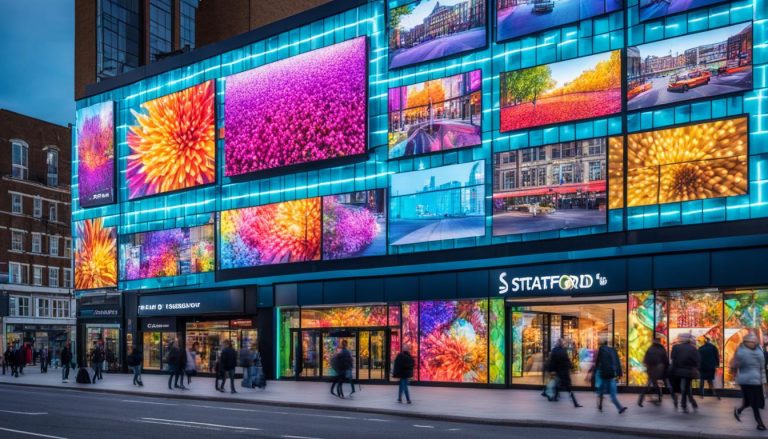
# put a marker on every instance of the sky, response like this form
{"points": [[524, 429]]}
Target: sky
{"points": [[420, 12], [413, 182], [37, 39], [681, 44], [567, 71]]}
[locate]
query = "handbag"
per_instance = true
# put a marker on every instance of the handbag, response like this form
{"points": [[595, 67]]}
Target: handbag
{"points": [[551, 388]]}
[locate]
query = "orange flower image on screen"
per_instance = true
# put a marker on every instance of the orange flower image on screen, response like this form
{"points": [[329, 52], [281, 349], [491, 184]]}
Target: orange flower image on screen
{"points": [[615, 172], [95, 255], [173, 144], [693, 162]]}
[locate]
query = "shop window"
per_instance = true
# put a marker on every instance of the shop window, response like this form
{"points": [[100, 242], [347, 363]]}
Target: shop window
{"points": [[745, 312], [107, 338], [210, 338]]}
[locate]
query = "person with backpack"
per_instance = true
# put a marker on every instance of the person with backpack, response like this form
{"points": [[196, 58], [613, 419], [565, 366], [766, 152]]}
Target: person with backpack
{"points": [[560, 366], [608, 369], [685, 362], [710, 360], [66, 362], [656, 364], [228, 365], [341, 363], [403, 371], [749, 366], [246, 361], [97, 359], [134, 361]]}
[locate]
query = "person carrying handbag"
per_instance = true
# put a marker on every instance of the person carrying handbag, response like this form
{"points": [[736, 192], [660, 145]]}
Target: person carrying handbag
{"points": [[749, 366]]}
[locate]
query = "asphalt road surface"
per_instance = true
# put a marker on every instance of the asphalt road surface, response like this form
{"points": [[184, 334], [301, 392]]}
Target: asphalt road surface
{"points": [[27, 412]]}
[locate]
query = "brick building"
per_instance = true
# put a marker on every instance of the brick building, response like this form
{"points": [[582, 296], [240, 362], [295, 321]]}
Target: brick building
{"points": [[35, 238]]}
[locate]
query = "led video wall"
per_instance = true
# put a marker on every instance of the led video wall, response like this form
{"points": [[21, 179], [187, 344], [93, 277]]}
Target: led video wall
{"points": [[96, 154], [355, 224], [305, 108], [515, 18], [170, 252], [694, 66], [437, 115], [581, 88], [438, 203], [172, 141], [551, 187], [95, 255], [650, 9], [693, 162], [427, 30]]}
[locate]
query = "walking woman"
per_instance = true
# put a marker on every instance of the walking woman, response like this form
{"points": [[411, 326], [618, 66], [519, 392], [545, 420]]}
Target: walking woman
{"points": [[656, 364], [560, 365], [685, 368], [749, 365]]}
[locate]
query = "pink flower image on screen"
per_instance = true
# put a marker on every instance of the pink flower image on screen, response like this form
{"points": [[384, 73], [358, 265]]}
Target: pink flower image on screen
{"points": [[305, 108], [351, 229], [96, 154]]}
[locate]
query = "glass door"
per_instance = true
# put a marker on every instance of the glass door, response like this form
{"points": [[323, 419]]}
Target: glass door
{"points": [[331, 345], [310, 353]]}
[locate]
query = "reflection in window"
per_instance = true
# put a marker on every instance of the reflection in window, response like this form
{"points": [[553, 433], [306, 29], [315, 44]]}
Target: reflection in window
{"points": [[117, 37], [160, 28], [187, 28]]}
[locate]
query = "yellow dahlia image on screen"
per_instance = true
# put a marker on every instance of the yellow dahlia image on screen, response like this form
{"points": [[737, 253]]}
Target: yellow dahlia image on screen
{"points": [[95, 255], [694, 162]]}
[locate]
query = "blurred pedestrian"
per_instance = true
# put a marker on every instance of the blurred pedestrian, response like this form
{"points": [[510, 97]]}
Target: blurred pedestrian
{"points": [[608, 368], [685, 363], [341, 363], [134, 361], [560, 365], [175, 366], [403, 371], [656, 364], [66, 361], [190, 368], [44, 360], [710, 360], [228, 364], [97, 360], [749, 366]]}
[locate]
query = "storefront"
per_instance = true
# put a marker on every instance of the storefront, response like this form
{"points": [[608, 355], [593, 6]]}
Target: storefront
{"points": [[100, 324], [40, 335]]}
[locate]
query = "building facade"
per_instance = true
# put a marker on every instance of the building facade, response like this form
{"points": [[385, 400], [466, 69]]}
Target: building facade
{"points": [[35, 235], [609, 237]]}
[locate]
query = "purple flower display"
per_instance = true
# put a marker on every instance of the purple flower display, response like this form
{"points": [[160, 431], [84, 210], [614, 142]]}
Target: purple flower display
{"points": [[96, 154], [305, 108], [354, 225]]}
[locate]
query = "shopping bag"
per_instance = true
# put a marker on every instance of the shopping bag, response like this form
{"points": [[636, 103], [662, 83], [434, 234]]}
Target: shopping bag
{"points": [[551, 388]]}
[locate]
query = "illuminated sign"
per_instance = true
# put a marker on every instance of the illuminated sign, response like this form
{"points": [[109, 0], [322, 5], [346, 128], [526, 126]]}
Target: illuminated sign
{"points": [[568, 278]]}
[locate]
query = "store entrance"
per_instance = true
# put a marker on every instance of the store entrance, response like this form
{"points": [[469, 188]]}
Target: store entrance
{"points": [[536, 326], [316, 348]]}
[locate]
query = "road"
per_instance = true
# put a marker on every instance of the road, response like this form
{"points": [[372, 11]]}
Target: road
{"points": [[402, 232], [441, 47], [26, 413], [718, 85], [522, 222], [662, 8]]}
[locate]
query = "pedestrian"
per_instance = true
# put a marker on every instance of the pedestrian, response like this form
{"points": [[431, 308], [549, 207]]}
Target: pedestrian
{"points": [[44, 360], [749, 366], [66, 362], [21, 360], [6, 359], [608, 369], [710, 360], [685, 363], [246, 361], [560, 366], [228, 364], [190, 369], [97, 359], [29, 356], [341, 363], [656, 363], [134, 362], [175, 366], [403, 371], [259, 379]]}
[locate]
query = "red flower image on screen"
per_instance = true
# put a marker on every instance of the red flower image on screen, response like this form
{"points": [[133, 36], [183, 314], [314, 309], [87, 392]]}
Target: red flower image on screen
{"points": [[581, 88], [302, 109]]}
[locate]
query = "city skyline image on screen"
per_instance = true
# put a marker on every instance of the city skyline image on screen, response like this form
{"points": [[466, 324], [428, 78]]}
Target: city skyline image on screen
{"points": [[436, 115], [96, 154], [699, 65], [306, 108], [580, 88], [515, 18], [427, 30]]}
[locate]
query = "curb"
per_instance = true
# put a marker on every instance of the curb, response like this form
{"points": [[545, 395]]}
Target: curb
{"points": [[526, 423]]}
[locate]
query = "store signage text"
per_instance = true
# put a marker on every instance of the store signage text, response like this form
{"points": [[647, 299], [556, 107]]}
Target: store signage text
{"points": [[158, 325], [563, 282], [105, 312], [171, 306]]}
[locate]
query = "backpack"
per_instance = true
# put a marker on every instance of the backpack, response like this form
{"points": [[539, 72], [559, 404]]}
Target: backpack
{"points": [[83, 377]]}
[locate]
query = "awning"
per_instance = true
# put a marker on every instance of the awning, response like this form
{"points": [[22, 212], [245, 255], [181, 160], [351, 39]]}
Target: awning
{"points": [[561, 189]]}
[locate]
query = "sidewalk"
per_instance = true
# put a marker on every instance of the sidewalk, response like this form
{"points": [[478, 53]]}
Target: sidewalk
{"points": [[714, 419]]}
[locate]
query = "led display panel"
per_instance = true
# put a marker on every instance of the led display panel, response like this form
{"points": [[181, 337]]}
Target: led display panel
{"points": [[96, 154], [271, 234], [551, 187], [581, 88], [302, 109], [427, 30], [515, 18], [438, 203], [435, 115], [693, 162], [172, 142], [95, 255], [171, 252], [650, 9], [694, 66], [355, 224]]}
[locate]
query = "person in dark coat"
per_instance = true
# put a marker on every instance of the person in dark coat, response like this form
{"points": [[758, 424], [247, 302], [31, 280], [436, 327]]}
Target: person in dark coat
{"points": [[685, 366], [710, 360], [608, 365], [228, 363], [66, 361], [175, 366], [656, 364], [10, 361], [342, 364], [403, 370], [97, 361], [21, 359], [134, 361], [560, 365]]}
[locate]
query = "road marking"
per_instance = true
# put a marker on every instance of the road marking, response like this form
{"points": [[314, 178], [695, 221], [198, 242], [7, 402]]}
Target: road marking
{"points": [[24, 413], [173, 424], [31, 434], [376, 420], [423, 426], [147, 402], [288, 436], [233, 409], [202, 423], [454, 429]]}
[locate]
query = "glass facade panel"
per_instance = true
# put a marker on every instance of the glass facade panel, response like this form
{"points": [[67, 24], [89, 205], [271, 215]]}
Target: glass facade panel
{"points": [[118, 37], [160, 28]]}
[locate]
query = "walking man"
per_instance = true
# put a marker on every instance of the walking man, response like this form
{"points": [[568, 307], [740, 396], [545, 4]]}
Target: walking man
{"points": [[657, 367], [710, 359], [8, 360], [66, 362], [560, 365], [749, 365], [97, 358], [341, 364], [685, 367], [228, 364], [134, 362], [174, 366], [608, 368], [403, 370]]}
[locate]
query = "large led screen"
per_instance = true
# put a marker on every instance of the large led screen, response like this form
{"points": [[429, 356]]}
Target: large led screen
{"points": [[96, 154], [454, 341], [699, 65], [431, 29], [580, 88], [436, 115], [551, 187], [694, 162], [438, 203], [95, 255], [345, 317], [301, 109], [172, 142], [271, 234], [515, 18], [650, 9], [355, 224], [171, 252]]}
